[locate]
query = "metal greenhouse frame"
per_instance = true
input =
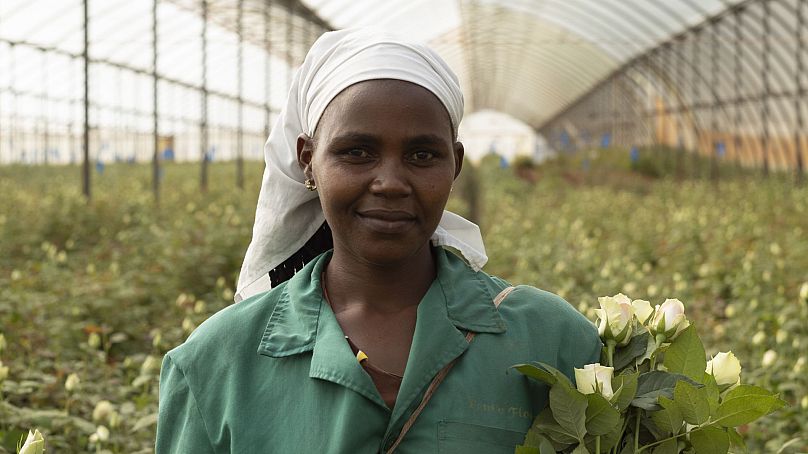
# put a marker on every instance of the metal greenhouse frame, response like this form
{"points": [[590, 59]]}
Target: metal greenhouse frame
{"points": [[92, 81]]}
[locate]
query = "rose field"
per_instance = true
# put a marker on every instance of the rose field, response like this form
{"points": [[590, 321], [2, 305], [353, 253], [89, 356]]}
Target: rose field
{"points": [[93, 294]]}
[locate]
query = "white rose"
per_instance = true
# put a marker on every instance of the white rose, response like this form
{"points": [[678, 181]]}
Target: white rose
{"points": [[643, 310], [615, 316], [3, 372], [768, 358], [34, 444], [103, 433], [804, 291], [72, 382], [149, 364], [114, 419], [102, 410], [726, 368], [758, 338], [799, 365], [182, 300], [94, 340], [669, 319], [157, 339], [595, 378]]}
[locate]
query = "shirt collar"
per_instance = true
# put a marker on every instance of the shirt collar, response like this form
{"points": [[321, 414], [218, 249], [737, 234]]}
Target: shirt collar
{"points": [[292, 327]]}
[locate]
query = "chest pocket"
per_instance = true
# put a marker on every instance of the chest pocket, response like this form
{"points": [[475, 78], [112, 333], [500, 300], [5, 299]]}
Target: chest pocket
{"points": [[465, 438]]}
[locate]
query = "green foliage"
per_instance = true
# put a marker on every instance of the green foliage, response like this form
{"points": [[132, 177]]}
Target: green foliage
{"points": [[601, 416], [466, 193], [121, 270], [119, 266], [654, 384], [686, 355], [523, 162], [671, 413], [692, 402], [736, 252], [635, 349]]}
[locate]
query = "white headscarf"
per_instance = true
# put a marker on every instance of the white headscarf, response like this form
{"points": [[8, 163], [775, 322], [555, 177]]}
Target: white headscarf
{"points": [[288, 214]]}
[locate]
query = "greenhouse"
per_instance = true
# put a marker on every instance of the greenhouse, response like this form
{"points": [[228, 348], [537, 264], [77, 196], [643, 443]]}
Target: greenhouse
{"points": [[655, 149]]}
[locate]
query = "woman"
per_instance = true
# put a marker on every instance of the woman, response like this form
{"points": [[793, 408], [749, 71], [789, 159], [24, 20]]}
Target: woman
{"points": [[388, 340]]}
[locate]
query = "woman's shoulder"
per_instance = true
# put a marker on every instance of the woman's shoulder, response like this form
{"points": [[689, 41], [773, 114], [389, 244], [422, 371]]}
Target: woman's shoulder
{"points": [[554, 328], [524, 305], [534, 302], [547, 315], [229, 330]]}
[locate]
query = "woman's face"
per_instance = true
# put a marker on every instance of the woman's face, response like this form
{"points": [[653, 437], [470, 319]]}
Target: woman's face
{"points": [[384, 160]]}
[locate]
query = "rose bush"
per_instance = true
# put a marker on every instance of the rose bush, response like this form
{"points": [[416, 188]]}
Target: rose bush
{"points": [[667, 398], [117, 266]]}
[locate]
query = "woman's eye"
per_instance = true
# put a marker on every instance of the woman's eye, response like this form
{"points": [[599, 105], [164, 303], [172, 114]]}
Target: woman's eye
{"points": [[423, 155], [357, 153]]}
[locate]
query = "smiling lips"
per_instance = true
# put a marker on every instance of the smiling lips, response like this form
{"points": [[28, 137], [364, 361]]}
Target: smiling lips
{"points": [[387, 221]]}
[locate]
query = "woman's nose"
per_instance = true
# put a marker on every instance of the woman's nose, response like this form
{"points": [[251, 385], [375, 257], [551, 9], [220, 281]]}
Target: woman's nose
{"points": [[390, 179]]}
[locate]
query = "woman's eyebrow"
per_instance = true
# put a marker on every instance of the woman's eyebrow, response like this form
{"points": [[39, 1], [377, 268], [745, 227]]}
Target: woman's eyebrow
{"points": [[425, 139], [361, 137], [352, 137]]}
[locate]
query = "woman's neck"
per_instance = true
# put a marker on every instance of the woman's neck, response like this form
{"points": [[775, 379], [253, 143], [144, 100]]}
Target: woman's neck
{"points": [[356, 284]]}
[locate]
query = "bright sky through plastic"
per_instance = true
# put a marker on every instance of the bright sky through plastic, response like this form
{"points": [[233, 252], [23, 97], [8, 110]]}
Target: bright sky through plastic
{"points": [[527, 58]]}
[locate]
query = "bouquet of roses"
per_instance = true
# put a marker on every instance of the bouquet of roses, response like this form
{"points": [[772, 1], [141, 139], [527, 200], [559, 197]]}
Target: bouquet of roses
{"points": [[653, 391]]}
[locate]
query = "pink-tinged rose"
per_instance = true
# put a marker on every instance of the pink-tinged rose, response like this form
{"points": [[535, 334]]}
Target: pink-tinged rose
{"points": [[669, 319], [615, 315]]}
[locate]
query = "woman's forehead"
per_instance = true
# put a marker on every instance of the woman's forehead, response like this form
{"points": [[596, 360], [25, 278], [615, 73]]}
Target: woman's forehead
{"points": [[364, 101]]}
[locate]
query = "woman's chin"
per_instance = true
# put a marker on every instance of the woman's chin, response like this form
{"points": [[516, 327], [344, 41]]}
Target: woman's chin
{"points": [[393, 254]]}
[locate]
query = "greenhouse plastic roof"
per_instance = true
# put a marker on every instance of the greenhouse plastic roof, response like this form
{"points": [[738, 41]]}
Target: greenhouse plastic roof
{"points": [[528, 58]]}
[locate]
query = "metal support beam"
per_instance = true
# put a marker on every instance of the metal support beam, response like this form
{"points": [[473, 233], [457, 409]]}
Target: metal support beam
{"points": [[289, 49], [203, 124], [86, 142], [679, 76], [155, 112], [766, 88], [715, 81], [240, 84], [695, 76], [738, 53], [267, 68], [44, 114], [800, 120]]}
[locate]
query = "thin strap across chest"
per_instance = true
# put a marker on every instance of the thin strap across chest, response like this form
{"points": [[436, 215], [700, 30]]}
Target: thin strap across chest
{"points": [[433, 386]]}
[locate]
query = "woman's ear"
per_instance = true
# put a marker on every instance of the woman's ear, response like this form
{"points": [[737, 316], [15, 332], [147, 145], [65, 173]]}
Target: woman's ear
{"points": [[459, 153], [305, 149]]}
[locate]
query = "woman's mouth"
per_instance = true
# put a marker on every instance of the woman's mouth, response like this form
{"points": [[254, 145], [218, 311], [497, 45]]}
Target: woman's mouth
{"points": [[387, 221]]}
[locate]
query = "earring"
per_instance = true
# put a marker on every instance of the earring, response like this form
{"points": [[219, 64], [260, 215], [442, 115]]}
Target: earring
{"points": [[310, 184]]}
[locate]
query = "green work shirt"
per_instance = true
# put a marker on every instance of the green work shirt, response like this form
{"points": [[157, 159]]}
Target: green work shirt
{"points": [[274, 373]]}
